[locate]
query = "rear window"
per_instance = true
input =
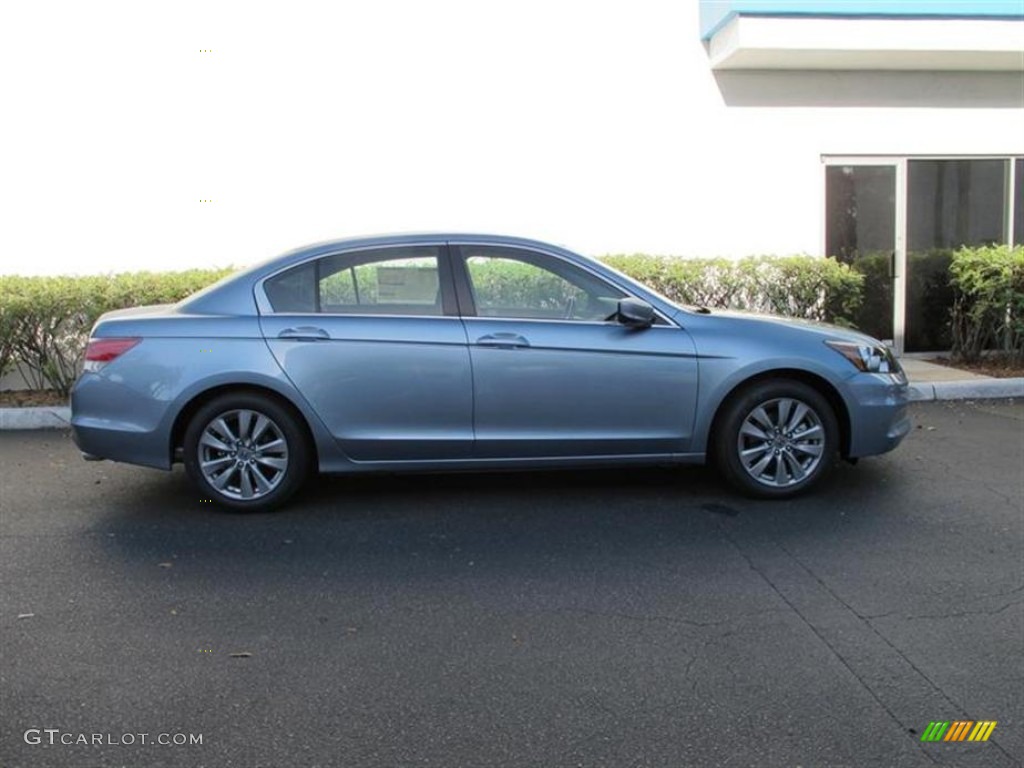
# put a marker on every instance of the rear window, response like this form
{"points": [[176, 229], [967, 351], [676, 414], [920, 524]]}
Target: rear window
{"points": [[389, 281]]}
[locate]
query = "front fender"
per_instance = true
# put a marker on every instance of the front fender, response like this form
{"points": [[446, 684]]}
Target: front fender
{"points": [[720, 377]]}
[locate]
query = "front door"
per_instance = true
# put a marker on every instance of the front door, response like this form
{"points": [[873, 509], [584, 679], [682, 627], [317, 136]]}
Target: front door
{"points": [[554, 375]]}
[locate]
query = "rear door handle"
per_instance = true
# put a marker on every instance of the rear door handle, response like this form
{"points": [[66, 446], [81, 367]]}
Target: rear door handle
{"points": [[304, 333], [503, 341]]}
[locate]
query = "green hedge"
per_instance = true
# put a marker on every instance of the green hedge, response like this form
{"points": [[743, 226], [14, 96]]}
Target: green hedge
{"points": [[988, 301], [44, 321], [796, 286]]}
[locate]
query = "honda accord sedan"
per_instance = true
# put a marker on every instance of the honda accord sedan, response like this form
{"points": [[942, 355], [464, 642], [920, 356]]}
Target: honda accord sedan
{"points": [[467, 352]]}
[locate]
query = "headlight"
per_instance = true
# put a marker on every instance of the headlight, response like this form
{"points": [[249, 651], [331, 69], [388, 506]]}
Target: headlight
{"points": [[870, 358]]}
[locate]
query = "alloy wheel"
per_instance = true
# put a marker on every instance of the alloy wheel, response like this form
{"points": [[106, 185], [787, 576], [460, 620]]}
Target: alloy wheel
{"points": [[781, 442], [243, 454]]}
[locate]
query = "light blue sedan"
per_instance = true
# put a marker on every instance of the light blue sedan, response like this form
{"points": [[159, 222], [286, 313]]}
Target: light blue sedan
{"points": [[463, 352]]}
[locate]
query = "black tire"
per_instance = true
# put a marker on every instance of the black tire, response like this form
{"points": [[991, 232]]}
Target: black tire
{"points": [[257, 475], [794, 458]]}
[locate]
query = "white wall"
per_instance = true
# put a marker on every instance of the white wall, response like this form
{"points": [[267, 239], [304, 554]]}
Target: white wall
{"points": [[596, 125]]}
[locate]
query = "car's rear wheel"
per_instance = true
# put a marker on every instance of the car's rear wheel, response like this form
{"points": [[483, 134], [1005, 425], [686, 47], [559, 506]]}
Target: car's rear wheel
{"points": [[246, 451], [776, 439]]}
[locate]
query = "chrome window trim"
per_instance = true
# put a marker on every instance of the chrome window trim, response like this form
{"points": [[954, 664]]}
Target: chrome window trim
{"points": [[364, 316], [602, 323]]}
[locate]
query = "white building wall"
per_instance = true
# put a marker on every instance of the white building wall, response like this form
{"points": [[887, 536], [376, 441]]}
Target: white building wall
{"points": [[598, 126]]}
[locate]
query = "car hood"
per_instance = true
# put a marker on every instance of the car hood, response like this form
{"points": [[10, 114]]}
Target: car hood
{"points": [[823, 330]]}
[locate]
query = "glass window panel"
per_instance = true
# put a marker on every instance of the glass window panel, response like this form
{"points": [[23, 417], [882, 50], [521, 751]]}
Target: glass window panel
{"points": [[513, 283], [294, 290], [391, 281], [950, 203], [860, 230], [1018, 202], [400, 281]]}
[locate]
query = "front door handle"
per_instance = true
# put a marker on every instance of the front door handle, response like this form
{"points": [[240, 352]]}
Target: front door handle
{"points": [[304, 333], [503, 341]]}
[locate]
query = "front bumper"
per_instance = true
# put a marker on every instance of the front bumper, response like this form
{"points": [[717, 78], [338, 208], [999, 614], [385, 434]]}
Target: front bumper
{"points": [[878, 414]]}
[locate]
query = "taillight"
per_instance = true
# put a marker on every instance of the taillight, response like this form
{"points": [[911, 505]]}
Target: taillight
{"points": [[102, 351]]}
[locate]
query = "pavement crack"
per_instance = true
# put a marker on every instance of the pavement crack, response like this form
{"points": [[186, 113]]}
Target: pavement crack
{"points": [[909, 617], [1014, 503], [945, 615], [885, 640], [1013, 591], [658, 618], [810, 625]]}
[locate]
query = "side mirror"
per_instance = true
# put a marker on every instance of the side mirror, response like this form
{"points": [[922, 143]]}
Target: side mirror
{"points": [[635, 313]]}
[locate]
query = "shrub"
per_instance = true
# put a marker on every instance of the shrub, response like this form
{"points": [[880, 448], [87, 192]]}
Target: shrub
{"points": [[798, 286], [874, 315], [49, 317], [988, 301], [10, 326], [45, 321], [929, 299]]}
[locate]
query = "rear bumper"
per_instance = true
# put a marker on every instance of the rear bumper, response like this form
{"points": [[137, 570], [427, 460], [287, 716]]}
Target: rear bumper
{"points": [[878, 414], [97, 443], [110, 421]]}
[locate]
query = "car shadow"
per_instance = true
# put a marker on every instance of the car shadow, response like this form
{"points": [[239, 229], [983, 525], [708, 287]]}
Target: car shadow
{"points": [[420, 526]]}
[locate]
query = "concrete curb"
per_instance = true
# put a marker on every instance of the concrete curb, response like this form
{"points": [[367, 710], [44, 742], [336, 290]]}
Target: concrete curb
{"points": [[59, 417], [970, 389], [48, 417]]}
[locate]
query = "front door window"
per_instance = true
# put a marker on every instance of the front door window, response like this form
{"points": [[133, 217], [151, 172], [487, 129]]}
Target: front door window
{"points": [[512, 283]]}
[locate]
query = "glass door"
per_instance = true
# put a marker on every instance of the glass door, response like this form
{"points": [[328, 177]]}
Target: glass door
{"points": [[899, 220], [864, 228]]}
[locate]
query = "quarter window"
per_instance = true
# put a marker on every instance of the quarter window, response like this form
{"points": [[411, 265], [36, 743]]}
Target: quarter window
{"points": [[392, 281], [512, 283]]}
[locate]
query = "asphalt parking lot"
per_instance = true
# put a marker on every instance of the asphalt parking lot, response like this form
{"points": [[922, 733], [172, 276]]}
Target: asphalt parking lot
{"points": [[633, 618]]}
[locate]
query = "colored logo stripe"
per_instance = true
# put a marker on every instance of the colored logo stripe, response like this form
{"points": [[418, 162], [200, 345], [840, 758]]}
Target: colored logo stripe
{"points": [[958, 730], [934, 731], [982, 730]]}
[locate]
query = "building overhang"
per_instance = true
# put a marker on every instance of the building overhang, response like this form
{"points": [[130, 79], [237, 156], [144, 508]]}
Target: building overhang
{"points": [[745, 42], [923, 35]]}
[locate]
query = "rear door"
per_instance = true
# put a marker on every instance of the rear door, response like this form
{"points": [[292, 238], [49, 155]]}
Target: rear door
{"points": [[372, 340]]}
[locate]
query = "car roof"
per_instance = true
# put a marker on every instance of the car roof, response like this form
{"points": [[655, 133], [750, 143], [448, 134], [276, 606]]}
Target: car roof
{"points": [[407, 238]]}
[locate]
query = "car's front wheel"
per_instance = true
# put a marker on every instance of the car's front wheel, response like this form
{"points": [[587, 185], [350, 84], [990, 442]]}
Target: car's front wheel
{"points": [[246, 451], [776, 439]]}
